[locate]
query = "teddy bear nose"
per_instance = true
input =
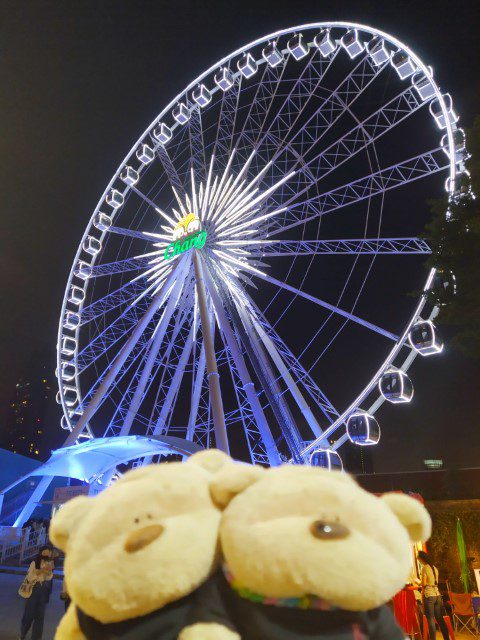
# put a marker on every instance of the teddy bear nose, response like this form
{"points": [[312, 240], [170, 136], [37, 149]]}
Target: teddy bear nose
{"points": [[142, 537], [324, 530]]}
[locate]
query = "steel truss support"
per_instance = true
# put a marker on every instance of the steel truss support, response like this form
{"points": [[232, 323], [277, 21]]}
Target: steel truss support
{"points": [[363, 246], [131, 233], [175, 384], [197, 152], [175, 344], [119, 266], [374, 184], [357, 139], [123, 296], [268, 380], [326, 305], [262, 368], [226, 123], [294, 366], [106, 383], [256, 447], [169, 168], [119, 328], [155, 341], [212, 371], [218, 302], [286, 375]]}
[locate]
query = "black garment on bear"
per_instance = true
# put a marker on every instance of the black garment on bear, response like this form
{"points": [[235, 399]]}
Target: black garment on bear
{"points": [[163, 624], [256, 621]]}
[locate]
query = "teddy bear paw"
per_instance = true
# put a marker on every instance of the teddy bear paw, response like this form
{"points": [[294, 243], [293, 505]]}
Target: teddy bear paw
{"points": [[208, 631]]}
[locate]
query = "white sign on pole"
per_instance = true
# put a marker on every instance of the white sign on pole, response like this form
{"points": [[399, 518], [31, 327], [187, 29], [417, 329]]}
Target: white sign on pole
{"points": [[477, 578]]}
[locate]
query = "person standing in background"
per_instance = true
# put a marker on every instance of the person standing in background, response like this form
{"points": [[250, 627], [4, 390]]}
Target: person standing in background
{"points": [[40, 572], [433, 603]]}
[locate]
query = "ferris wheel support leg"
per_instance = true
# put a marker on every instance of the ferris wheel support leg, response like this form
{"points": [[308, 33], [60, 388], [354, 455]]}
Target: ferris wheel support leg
{"points": [[197, 389], [262, 424], [212, 371], [290, 382], [117, 364], [152, 355], [175, 384]]}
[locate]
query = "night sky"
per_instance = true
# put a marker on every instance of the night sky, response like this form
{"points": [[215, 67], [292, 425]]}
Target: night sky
{"points": [[79, 82]]}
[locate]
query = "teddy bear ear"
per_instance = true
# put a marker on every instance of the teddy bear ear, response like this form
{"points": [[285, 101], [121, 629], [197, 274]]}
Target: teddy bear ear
{"points": [[412, 514], [67, 519], [211, 460], [232, 480]]}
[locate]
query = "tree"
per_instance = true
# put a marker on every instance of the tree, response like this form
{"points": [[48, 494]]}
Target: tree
{"points": [[454, 237]]}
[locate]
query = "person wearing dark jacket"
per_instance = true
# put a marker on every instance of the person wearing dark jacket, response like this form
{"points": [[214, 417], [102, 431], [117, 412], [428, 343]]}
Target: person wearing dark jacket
{"points": [[40, 572]]}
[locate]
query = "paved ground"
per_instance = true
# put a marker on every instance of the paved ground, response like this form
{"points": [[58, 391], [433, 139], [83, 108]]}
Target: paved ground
{"points": [[12, 605], [11, 609]]}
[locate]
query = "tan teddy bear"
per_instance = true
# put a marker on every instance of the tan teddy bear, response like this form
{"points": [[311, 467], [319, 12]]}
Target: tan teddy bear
{"points": [[309, 554], [137, 552]]}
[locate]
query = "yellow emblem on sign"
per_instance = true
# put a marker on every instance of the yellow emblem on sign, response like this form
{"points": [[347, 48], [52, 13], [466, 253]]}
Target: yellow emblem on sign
{"points": [[186, 235], [187, 225]]}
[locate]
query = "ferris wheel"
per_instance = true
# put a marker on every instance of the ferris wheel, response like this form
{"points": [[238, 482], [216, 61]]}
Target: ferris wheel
{"points": [[243, 281]]}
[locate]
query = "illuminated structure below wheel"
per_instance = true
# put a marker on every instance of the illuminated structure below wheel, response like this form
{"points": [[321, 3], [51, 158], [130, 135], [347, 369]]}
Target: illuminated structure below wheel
{"points": [[268, 193]]}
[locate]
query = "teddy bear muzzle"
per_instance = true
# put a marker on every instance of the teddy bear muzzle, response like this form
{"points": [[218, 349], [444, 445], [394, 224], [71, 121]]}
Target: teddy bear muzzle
{"points": [[324, 530], [141, 538]]}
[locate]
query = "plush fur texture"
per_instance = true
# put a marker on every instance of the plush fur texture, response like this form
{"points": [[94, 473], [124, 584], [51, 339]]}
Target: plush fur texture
{"points": [[148, 540], [269, 547]]}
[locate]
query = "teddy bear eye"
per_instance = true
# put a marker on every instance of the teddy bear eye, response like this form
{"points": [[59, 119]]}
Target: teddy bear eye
{"points": [[137, 520]]}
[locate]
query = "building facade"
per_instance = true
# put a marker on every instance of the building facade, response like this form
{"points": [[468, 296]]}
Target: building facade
{"points": [[32, 418]]}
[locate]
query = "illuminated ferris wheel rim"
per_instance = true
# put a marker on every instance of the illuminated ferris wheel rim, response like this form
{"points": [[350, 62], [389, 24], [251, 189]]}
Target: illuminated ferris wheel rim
{"points": [[420, 66]]}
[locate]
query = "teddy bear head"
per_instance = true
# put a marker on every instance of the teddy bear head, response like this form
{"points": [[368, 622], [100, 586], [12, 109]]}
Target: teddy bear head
{"points": [[149, 539], [296, 531]]}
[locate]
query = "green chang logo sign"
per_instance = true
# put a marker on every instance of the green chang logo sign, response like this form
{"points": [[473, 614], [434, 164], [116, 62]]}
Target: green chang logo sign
{"points": [[196, 240]]}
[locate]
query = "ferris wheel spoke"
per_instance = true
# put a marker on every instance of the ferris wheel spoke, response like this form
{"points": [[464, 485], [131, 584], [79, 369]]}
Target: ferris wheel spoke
{"points": [[135, 393], [130, 233], [255, 444], [354, 246], [296, 101], [197, 146], [359, 138], [102, 342], [161, 425], [218, 301], [166, 366], [329, 111], [272, 341], [260, 363], [113, 333], [325, 305], [126, 350], [222, 146], [169, 168], [138, 351], [376, 183], [271, 388], [258, 111], [124, 295], [118, 266], [134, 358]]}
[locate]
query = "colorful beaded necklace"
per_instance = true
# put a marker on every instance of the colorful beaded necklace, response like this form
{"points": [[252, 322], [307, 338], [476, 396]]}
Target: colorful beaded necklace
{"points": [[305, 602]]}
